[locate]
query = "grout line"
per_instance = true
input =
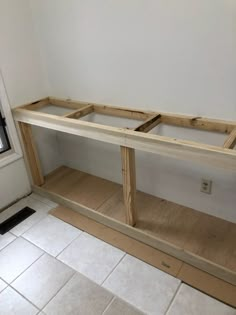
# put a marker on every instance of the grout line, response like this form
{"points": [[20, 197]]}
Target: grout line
{"points": [[173, 298], [24, 297], [78, 236], [74, 273], [10, 285], [34, 224], [15, 237], [44, 202], [113, 269], [28, 266], [108, 305], [4, 289]]}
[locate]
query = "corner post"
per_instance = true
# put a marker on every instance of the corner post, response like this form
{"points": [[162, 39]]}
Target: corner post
{"points": [[31, 154]]}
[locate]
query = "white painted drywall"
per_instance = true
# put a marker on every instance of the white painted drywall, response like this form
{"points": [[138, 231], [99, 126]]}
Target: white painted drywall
{"points": [[24, 80], [14, 183], [164, 55]]}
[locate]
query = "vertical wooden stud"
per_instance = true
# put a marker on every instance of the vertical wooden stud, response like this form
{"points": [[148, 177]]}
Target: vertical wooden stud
{"points": [[31, 153], [129, 183]]}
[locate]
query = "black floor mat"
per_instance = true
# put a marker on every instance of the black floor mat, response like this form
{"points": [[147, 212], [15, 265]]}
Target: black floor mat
{"points": [[14, 220]]}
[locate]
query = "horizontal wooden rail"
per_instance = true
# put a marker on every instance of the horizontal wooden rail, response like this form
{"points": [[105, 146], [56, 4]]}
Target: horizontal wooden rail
{"points": [[80, 112], [215, 125], [180, 149], [196, 122], [149, 124]]}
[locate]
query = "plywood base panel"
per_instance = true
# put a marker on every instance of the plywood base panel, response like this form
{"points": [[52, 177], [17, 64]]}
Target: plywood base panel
{"points": [[196, 238]]}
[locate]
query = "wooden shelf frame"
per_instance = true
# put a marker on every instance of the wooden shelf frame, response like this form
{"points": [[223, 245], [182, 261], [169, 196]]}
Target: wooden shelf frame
{"points": [[138, 138], [129, 140]]}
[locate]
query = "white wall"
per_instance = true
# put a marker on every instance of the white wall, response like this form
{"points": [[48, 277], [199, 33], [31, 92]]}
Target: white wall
{"points": [[164, 55], [22, 72]]}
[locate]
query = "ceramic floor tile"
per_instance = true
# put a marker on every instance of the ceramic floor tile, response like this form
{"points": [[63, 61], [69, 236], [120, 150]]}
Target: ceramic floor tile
{"points": [[145, 287], [6, 239], [79, 296], [3, 285], [52, 235], [41, 213], [12, 303], [92, 257], [189, 301], [44, 200], [16, 258], [40, 282], [118, 307]]}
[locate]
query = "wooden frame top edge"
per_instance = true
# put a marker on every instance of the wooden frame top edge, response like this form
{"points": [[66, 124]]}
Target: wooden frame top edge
{"points": [[195, 122], [180, 149]]}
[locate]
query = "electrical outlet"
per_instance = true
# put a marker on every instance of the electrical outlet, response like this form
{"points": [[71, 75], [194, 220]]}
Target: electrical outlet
{"points": [[206, 186]]}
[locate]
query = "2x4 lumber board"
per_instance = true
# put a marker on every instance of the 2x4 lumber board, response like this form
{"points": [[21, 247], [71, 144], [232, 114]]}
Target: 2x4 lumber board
{"points": [[129, 184], [189, 121], [31, 153], [164, 246], [105, 109], [208, 124], [121, 112], [197, 122], [80, 112], [36, 105], [67, 103], [149, 124], [230, 142], [174, 148]]}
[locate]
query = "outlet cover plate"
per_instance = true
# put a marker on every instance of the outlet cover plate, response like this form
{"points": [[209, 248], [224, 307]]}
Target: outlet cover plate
{"points": [[206, 186]]}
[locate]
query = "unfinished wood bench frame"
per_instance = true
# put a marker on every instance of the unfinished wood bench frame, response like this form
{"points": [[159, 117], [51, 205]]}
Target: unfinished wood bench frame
{"points": [[129, 140]]}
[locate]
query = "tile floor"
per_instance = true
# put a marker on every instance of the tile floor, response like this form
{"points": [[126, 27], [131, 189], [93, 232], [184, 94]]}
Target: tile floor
{"points": [[48, 267]]}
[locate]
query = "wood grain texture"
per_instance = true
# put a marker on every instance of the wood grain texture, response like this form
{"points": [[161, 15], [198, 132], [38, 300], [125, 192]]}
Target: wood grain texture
{"points": [[230, 142], [80, 112], [80, 187], [129, 184], [149, 124], [37, 104], [189, 121], [214, 239], [215, 125], [31, 154], [155, 216]]}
